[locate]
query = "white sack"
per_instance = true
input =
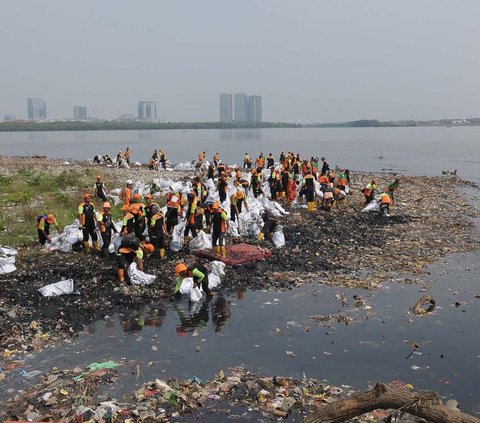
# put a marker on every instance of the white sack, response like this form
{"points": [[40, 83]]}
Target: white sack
{"points": [[374, 206], [278, 238], [177, 237], [202, 241], [196, 294], [57, 288], [186, 286], [137, 277]]}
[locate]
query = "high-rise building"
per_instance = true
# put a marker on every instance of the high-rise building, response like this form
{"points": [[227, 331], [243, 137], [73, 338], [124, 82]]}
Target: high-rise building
{"points": [[254, 114], [226, 107], [240, 104], [147, 111], [36, 108], [80, 113]]}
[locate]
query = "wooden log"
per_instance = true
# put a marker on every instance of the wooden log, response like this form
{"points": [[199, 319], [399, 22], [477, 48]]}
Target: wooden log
{"points": [[385, 397]]}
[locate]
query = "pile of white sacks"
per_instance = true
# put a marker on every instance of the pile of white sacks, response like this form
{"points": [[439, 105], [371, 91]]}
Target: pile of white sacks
{"points": [[248, 224]]}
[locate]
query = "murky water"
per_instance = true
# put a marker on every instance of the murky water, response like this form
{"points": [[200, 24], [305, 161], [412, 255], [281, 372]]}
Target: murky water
{"points": [[256, 329], [418, 151]]}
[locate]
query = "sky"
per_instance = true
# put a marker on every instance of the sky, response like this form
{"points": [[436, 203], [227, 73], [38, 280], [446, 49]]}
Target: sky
{"points": [[321, 60]]}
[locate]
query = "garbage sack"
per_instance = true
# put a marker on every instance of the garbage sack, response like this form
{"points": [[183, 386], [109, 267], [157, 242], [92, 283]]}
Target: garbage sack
{"points": [[177, 238], [374, 206], [213, 281], [202, 241], [7, 260], [218, 267], [186, 286], [214, 277], [196, 294], [278, 238], [57, 288], [184, 166], [137, 277], [233, 230]]}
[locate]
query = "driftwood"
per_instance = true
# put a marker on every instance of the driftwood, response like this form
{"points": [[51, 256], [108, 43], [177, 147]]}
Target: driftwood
{"points": [[419, 307], [385, 397]]}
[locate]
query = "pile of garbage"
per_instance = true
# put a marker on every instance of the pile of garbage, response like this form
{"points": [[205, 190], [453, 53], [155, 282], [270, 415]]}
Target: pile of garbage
{"points": [[70, 395]]}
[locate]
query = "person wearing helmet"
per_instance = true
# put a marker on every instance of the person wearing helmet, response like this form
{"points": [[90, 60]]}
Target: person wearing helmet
{"points": [[256, 183], [131, 250], [222, 186], [190, 219], [43, 227], [309, 189], [140, 220], [157, 230], [219, 228], [100, 191], [128, 223], [163, 159], [106, 227], [237, 200], [385, 202], [174, 210], [148, 208], [127, 155], [126, 194], [199, 273], [120, 160], [88, 223], [269, 224]]}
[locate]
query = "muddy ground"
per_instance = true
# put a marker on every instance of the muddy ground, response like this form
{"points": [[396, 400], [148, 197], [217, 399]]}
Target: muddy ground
{"points": [[432, 217]]}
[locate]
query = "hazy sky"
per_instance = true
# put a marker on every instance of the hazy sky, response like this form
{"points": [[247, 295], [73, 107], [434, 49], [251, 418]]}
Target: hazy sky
{"points": [[328, 60]]}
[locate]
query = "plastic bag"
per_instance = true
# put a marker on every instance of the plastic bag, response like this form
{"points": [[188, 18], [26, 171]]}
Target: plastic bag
{"points": [[278, 238], [137, 277], [374, 206], [218, 267], [177, 237], [186, 286], [213, 281], [7, 260], [57, 288], [202, 241], [195, 294]]}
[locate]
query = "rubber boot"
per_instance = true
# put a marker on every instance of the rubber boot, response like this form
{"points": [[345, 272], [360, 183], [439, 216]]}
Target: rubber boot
{"points": [[216, 249], [96, 248], [87, 246], [261, 236], [161, 253], [224, 251], [105, 253], [121, 275]]}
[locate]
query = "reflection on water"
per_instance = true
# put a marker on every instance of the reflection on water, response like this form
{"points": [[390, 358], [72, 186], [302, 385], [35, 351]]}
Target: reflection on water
{"points": [[135, 320]]}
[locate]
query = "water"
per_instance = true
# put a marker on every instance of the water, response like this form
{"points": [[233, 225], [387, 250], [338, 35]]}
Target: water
{"points": [[258, 330], [420, 151]]}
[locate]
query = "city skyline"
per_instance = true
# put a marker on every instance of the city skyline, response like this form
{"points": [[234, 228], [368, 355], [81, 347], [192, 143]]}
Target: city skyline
{"points": [[321, 60]]}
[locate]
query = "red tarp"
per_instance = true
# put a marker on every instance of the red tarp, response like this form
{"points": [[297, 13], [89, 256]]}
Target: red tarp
{"points": [[236, 254]]}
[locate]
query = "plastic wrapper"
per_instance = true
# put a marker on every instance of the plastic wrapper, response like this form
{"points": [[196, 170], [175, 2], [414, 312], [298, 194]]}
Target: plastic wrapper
{"points": [[7, 260], [278, 238]]}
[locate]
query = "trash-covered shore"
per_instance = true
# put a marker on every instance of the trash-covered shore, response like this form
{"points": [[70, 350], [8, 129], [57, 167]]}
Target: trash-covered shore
{"points": [[342, 247], [82, 395]]}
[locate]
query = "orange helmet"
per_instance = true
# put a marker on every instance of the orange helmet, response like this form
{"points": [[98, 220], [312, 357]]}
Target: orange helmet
{"points": [[134, 208], [87, 195], [216, 206], [125, 208], [148, 247], [254, 171], [239, 194], [50, 218], [99, 177], [149, 196], [106, 205], [179, 268], [137, 197]]}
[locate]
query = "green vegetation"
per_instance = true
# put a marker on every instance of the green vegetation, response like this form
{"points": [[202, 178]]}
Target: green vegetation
{"points": [[29, 193]]}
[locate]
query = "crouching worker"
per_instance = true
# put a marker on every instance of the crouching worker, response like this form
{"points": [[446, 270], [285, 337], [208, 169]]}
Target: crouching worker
{"points": [[269, 225], [43, 227], [157, 230], [199, 273], [106, 226], [385, 202], [131, 250]]}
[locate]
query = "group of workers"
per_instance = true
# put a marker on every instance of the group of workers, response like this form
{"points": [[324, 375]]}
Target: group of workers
{"points": [[145, 228], [122, 159]]}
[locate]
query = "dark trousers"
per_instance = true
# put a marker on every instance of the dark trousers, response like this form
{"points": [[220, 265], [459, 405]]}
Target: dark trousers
{"points": [[89, 231], [42, 239], [218, 238], [106, 238]]}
